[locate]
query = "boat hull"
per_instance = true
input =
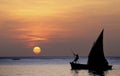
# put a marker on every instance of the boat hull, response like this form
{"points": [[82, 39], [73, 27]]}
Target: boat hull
{"points": [[77, 66]]}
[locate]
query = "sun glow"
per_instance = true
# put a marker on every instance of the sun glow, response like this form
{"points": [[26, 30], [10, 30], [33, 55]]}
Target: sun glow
{"points": [[36, 50]]}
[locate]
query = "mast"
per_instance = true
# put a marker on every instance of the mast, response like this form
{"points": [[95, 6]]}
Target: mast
{"points": [[96, 58]]}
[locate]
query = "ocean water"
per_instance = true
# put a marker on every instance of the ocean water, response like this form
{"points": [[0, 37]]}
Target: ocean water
{"points": [[51, 67]]}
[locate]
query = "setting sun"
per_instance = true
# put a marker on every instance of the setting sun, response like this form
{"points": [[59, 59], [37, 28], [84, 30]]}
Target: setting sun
{"points": [[36, 50]]}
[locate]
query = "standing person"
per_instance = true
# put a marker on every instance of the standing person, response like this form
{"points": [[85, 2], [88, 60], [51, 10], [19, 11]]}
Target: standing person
{"points": [[76, 57]]}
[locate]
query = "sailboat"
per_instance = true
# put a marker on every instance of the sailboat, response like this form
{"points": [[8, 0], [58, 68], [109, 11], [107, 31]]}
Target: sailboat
{"points": [[96, 58]]}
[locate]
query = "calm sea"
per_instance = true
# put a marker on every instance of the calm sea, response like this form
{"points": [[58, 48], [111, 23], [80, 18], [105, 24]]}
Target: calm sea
{"points": [[57, 66]]}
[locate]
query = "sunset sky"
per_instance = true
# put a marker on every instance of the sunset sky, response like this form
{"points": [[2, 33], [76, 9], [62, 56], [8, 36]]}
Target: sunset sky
{"points": [[58, 26]]}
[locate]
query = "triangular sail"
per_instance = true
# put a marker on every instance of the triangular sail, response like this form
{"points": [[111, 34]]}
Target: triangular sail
{"points": [[96, 58]]}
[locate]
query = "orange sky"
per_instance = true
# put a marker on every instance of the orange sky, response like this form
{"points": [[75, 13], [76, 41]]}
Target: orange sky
{"points": [[58, 26]]}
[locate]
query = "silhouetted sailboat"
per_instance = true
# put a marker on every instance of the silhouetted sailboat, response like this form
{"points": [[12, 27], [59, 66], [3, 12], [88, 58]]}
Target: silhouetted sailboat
{"points": [[96, 58]]}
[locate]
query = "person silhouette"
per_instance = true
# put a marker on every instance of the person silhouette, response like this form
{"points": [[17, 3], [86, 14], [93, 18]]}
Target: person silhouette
{"points": [[76, 58]]}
